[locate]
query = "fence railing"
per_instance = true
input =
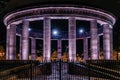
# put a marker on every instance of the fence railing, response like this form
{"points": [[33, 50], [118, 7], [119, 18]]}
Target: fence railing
{"points": [[13, 69], [105, 69], [59, 70]]}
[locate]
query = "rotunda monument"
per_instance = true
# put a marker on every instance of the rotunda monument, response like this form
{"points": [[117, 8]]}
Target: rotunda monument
{"points": [[68, 12]]}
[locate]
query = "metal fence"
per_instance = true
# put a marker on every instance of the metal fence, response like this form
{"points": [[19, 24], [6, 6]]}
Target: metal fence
{"points": [[59, 70]]}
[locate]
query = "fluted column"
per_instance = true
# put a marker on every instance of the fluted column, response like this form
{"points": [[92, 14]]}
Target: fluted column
{"points": [[47, 39], [7, 42], [25, 40], [106, 41], [98, 47], [85, 49], [12, 42], [72, 39], [33, 48], [20, 51], [94, 39], [111, 42], [59, 49]]}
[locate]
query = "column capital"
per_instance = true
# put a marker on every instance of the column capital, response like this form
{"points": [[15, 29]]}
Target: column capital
{"points": [[104, 25], [11, 25], [111, 27], [46, 17], [25, 23], [8, 27], [25, 20], [93, 21], [72, 17]]}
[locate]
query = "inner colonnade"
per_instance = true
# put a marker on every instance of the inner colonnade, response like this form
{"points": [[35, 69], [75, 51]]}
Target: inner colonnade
{"points": [[71, 13]]}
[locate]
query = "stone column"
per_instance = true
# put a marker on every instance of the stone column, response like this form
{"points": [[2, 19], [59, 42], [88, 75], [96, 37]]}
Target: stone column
{"points": [[59, 49], [25, 40], [20, 51], [94, 39], [106, 41], [85, 49], [33, 48], [7, 42], [12, 42], [47, 39], [111, 42], [72, 39], [98, 47]]}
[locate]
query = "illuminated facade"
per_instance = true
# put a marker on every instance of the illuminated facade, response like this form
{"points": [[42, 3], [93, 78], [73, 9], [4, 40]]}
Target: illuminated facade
{"points": [[49, 12]]}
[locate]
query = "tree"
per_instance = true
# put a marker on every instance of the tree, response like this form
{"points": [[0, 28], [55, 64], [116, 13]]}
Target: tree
{"points": [[2, 53], [54, 56], [65, 57]]}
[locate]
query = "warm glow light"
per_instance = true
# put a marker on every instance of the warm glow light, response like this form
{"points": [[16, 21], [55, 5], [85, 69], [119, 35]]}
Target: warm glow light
{"points": [[94, 56], [2, 54], [118, 55]]}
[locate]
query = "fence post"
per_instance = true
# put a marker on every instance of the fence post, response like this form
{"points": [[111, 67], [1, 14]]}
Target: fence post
{"points": [[30, 70], [88, 62], [60, 69]]}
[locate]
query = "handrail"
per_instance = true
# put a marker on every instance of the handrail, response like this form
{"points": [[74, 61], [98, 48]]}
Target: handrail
{"points": [[108, 74], [105, 68], [99, 69], [6, 72]]}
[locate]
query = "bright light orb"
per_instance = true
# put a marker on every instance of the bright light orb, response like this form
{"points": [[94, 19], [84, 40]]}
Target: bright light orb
{"points": [[81, 30], [55, 32], [29, 29]]}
